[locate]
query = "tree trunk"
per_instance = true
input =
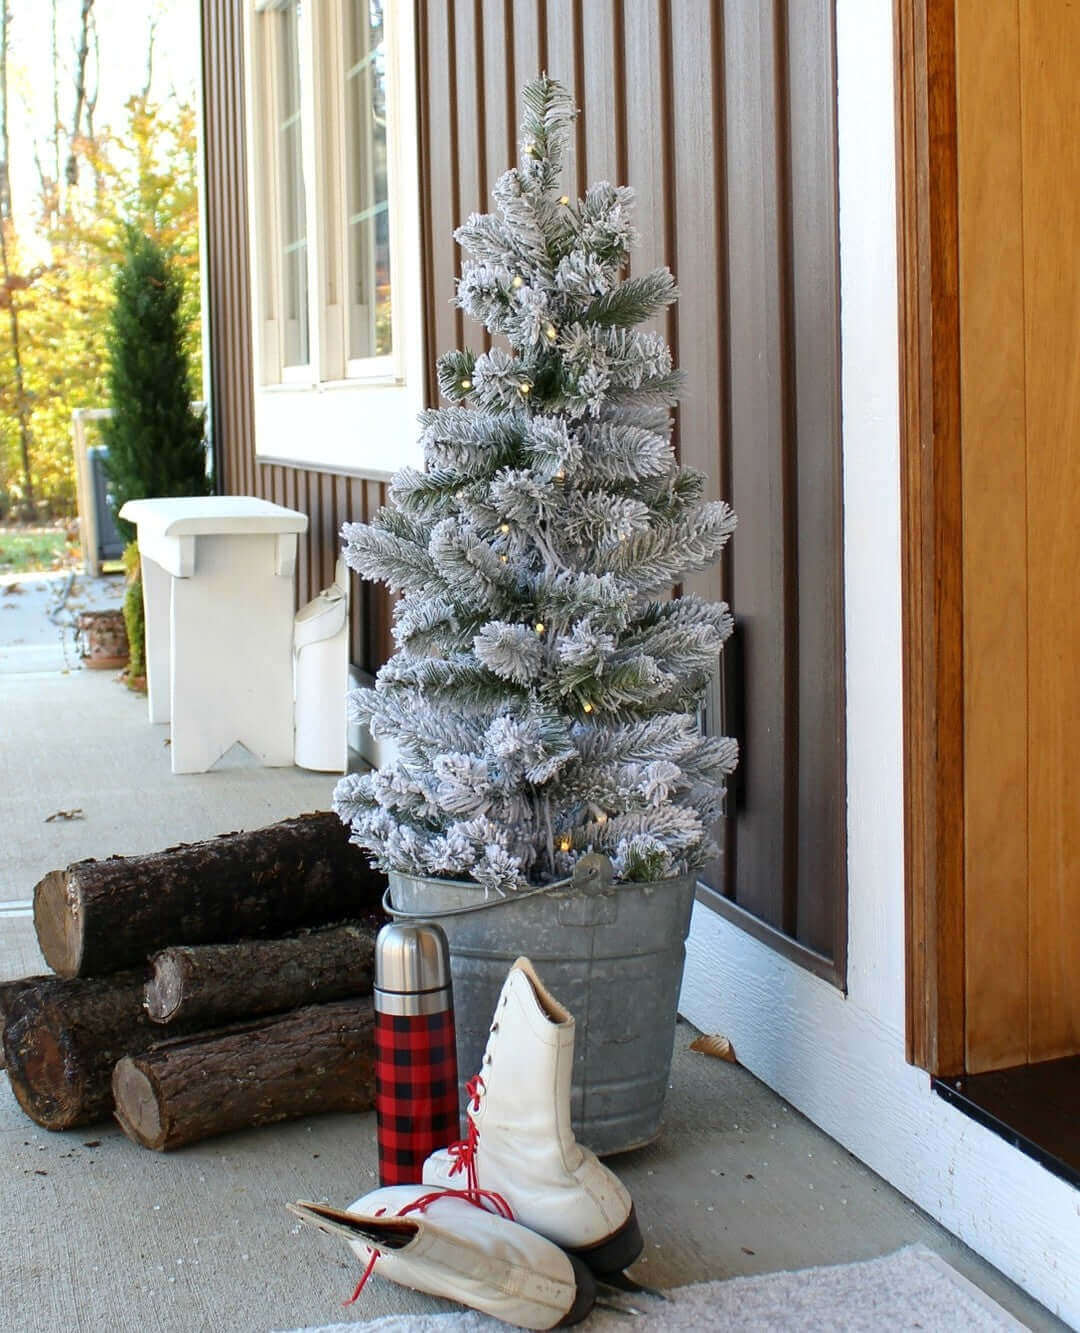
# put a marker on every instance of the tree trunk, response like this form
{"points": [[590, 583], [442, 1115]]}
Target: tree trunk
{"points": [[97, 917], [82, 51], [62, 1039], [22, 402], [54, 57], [317, 1059], [219, 983], [9, 993]]}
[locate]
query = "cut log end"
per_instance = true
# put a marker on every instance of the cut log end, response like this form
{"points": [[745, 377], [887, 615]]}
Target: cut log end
{"points": [[10, 992], [50, 1089], [164, 990], [56, 922], [137, 1105]]}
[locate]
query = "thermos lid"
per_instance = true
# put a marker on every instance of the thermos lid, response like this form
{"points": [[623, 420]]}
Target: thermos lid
{"points": [[411, 957]]}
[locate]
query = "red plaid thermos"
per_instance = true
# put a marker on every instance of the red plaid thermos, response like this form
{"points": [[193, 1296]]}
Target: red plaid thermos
{"points": [[416, 1091]]}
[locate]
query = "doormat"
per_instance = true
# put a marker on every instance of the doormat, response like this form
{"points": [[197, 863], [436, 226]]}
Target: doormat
{"points": [[911, 1289]]}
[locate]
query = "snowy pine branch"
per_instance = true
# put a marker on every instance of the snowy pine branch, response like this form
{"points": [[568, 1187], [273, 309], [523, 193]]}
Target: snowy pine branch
{"points": [[382, 556], [658, 558], [634, 301]]}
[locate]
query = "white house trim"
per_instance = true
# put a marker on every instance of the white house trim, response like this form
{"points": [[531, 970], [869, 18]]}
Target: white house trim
{"points": [[331, 415], [840, 1059]]}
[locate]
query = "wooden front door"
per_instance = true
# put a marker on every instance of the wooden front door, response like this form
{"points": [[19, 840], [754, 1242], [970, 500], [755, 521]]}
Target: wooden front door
{"points": [[992, 241]]}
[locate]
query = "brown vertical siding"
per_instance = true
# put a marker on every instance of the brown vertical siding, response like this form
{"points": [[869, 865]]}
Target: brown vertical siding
{"points": [[721, 114], [228, 287]]}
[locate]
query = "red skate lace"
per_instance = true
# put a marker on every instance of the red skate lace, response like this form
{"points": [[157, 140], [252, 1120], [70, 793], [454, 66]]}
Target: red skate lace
{"points": [[463, 1152], [479, 1199]]}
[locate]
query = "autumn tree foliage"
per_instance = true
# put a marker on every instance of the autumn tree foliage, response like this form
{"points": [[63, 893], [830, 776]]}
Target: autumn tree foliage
{"points": [[56, 286]]}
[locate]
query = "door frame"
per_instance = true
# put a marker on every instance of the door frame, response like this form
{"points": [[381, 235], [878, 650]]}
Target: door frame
{"points": [[931, 532]]}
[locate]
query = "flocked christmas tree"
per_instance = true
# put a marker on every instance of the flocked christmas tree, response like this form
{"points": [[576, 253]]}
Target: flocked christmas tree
{"points": [[543, 697]]}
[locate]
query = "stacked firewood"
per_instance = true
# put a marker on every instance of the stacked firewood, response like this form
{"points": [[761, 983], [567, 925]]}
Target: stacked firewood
{"points": [[210, 987]]}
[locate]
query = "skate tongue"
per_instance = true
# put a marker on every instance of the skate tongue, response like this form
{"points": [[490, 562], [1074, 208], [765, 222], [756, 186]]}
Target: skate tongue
{"points": [[463, 1155]]}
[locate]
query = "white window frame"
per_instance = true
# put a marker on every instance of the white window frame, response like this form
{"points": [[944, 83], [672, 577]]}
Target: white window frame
{"points": [[334, 84], [336, 415], [267, 246]]}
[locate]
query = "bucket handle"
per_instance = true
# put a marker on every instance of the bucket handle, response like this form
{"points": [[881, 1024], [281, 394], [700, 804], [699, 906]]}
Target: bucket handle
{"points": [[470, 907], [592, 874]]}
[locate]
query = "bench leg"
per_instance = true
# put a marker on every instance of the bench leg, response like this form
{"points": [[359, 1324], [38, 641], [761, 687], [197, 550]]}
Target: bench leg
{"points": [[232, 626]]}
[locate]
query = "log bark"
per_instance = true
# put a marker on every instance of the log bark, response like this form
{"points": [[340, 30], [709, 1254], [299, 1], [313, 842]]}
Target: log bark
{"points": [[9, 993], [98, 917], [219, 983], [317, 1059], [62, 1039]]}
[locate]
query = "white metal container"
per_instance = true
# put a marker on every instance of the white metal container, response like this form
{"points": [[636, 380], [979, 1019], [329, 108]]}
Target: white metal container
{"points": [[321, 678]]}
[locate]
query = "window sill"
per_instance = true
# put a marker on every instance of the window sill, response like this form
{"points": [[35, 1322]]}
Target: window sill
{"points": [[362, 428], [335, 386]]}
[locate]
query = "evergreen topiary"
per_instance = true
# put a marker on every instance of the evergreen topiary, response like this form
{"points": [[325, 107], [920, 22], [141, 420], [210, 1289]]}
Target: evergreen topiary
{"points": [[154, 439], [543, 699]]}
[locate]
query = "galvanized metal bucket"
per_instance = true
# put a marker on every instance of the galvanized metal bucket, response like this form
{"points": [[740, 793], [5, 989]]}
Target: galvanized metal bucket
{"points": [[614, 959]]}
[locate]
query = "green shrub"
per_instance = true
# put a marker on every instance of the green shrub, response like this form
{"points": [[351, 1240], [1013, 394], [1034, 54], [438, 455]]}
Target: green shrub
{"points": [[134, 618]]}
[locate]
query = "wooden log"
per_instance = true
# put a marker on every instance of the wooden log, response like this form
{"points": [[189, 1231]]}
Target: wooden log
{"points": [[62, 1039], [98, 917], [219, 983], [9, 993], [317, 1059]]}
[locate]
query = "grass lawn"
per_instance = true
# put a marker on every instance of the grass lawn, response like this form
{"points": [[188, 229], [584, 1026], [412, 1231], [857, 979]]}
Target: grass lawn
{"points": [[24, 549]]}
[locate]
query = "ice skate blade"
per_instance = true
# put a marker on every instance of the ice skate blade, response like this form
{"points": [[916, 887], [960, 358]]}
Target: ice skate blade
{"points": [[617, 1252], [584, 1297]]}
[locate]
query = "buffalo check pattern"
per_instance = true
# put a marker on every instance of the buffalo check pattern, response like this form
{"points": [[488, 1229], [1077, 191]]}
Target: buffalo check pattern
{"points": [[416, 1093]]}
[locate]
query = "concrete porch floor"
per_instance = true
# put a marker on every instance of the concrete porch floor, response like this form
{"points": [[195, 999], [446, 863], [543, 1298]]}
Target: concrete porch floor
{"points": [[104, 1235]]}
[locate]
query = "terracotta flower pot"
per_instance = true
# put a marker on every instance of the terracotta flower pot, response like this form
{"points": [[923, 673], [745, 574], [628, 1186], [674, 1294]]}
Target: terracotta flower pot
{"points": [[104, 640]]}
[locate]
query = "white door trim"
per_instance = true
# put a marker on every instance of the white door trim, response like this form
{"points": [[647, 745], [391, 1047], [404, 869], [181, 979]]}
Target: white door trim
{"points": [[840, 1059]]}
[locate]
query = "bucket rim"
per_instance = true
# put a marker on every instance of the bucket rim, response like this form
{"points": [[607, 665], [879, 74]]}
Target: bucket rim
{"points": [[557, 890]]}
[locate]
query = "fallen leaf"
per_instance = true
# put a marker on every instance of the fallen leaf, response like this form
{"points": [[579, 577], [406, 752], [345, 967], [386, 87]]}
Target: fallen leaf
{"points": [[13, 588], [77, 813], [746, 1251], [92, 1143], [717, 1046]]}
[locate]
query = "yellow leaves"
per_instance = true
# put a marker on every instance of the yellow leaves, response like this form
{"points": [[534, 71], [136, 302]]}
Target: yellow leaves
{"points": [[145, 172], [719, 1047]]}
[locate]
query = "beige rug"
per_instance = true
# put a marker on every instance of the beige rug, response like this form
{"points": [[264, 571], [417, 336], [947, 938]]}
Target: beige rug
{"points": [[911, 1289]]}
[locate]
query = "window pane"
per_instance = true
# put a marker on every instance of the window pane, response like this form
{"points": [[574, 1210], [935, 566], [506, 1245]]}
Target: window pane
{"points": [[292, 199], [367, 199]]}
